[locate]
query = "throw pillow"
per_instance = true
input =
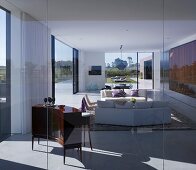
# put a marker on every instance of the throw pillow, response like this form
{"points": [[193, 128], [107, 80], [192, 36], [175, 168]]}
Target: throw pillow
{"points": [[134, 93], [105, 104], [119, 93]]}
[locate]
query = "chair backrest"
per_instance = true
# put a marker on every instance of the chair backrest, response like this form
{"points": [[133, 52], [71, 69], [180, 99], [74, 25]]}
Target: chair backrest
{"points": [[87, 99], [83, 105]]}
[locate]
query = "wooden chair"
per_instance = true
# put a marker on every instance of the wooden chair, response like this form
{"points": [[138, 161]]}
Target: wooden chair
{"points": [[88, 112]]}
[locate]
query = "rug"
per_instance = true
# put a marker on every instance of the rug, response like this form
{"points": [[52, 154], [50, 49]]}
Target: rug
{"points": [[178, 122]]}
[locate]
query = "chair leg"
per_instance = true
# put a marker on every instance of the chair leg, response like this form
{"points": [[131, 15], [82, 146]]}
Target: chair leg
{"points": [[89, 135], [84, 134], [80, 153], [64, 154], [32, 141], [38, 140]]}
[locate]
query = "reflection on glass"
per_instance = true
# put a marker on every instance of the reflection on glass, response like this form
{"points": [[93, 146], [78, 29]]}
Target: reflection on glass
{"points": [[121, 69], [63, 70], [2, 56], [182, 72], [132, 69]]}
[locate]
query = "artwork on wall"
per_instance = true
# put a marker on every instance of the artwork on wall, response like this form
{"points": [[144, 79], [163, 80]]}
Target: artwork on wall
{"points": [[182, 69], [95, 70]]}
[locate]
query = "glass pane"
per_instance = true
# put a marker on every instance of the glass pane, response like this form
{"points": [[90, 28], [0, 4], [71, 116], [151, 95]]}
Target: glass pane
{"points": [[63, 71], [178, 80], [131, 137], [24, 82], [5, 111], [121, 70]]}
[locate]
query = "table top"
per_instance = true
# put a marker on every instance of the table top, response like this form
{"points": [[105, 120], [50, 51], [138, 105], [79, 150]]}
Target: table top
{"points": [[65, 109]]}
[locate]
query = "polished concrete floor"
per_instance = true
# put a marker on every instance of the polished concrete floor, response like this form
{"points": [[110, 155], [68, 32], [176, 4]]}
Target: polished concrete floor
{"points": [[118, 150], [112, 150]]}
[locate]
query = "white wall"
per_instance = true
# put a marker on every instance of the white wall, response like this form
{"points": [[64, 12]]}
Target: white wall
{"points": [[86, 60]]}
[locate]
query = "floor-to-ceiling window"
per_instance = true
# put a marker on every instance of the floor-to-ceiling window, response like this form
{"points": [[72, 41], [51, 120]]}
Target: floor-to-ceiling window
{"points": [[135, 70], [63, 70], [5, 112]]}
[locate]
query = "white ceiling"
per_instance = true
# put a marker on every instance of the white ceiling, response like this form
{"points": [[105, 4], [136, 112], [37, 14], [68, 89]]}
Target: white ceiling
{"points": [[104, 25]]}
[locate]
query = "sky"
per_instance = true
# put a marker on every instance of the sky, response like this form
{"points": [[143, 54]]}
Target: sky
{"points": [[2, 38]]}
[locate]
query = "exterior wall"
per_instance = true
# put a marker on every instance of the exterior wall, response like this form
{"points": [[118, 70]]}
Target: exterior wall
{"points": [[91, 82]]}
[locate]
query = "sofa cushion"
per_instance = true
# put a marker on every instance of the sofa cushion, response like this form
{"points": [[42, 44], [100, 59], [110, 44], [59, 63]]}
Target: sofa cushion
{"points": [[126, 105], [158, 104], [134, 93], [108, 93], [105, 104], [143, 105], [119, 93]]}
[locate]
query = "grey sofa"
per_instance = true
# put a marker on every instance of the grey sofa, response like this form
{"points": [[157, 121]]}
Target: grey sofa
{"points": [[143, 113]]}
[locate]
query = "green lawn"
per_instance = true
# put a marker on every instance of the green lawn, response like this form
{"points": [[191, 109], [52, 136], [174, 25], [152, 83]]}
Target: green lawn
{"points": [[109, 80]]}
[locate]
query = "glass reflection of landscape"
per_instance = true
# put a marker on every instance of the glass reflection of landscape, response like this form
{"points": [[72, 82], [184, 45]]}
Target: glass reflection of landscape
{"points": [[2, 54], [134, 70], [182, 74], [63, 70]]}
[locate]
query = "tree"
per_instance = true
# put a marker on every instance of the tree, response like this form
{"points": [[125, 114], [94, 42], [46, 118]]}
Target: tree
{"points": [[120, 64], [108, 65]]}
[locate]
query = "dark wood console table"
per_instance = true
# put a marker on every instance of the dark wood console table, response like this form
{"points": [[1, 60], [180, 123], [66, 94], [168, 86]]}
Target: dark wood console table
{"points": [[62, 126]]}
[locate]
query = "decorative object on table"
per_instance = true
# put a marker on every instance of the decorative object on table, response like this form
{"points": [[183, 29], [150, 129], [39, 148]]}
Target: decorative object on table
{"points": [[50, 100], [45, 101], [133, 100]]}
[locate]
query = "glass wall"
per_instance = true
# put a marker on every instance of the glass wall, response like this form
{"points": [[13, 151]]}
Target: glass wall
{"points": [[24, 81], [63, 71], [129, 135], [121, 68], [135, 70], [5, 112], [178, 82]]}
